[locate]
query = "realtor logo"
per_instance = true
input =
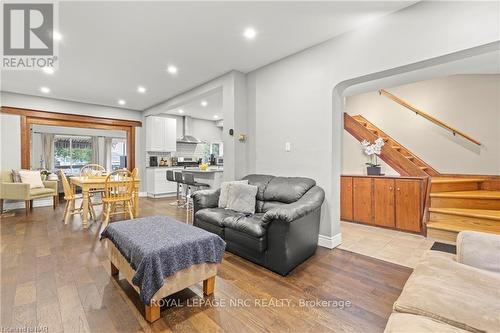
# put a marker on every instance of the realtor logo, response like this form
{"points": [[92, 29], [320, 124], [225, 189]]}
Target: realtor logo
{"points": [[28, 35]]}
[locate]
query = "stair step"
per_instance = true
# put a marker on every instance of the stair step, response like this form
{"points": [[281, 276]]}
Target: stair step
{"points": [[438, 180], [455, 184], [489, 200], [461, 226], [410, 157], [424, 168], [480, 194], [396, 147], [453, 213]]}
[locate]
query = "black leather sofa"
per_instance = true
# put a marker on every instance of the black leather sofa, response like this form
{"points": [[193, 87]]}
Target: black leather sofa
{"points": [[281, 234]]}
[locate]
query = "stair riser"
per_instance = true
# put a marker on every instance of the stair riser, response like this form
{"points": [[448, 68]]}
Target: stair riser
{"points": [[440, 217], [443, 236], [465, 203], [449, 187]]}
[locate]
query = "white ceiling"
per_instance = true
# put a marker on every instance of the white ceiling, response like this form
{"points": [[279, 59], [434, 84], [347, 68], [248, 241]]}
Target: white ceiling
{"points": [[195, 109], [486, 63], [109, 48]]}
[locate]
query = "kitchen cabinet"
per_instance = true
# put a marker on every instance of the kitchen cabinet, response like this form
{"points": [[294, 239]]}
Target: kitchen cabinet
{"points": [[161, 134], [408, 205], [157, 183], [346, 208], [383, 202], [362, 199], [393, 202]]}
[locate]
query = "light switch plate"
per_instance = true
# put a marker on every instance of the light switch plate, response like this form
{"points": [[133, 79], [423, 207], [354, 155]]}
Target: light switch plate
{"points": [[287, 146]]}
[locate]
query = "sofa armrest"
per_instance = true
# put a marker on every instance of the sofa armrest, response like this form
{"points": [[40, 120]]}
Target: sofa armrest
{"points": [[479, 249], [309, 202], [51, 184], [206, 199], [14, 191]]}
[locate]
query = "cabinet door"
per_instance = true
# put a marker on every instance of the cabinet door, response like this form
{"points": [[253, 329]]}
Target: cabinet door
{"points": [[154, 133], [346, 198], [362, 202], [170, 135], [383, 199], [408, 205]]}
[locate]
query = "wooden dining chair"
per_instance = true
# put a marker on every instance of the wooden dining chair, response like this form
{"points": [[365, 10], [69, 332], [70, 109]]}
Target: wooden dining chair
{"points": [[71, 198], [118, 193], [93, 171]]}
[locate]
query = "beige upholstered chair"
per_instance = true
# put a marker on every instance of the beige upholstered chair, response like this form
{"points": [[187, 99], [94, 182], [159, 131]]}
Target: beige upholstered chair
{"points": [[20, 191], [71, 198], [118, 192]]}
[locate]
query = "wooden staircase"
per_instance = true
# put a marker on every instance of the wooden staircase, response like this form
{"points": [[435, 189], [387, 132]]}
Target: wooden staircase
{"points": [[463, 203], [393, 153], [455, 202]]}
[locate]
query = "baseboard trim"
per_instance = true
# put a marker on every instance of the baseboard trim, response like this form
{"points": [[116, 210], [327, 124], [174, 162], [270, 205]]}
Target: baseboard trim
{"points": [[330, 242], [143, 194]]}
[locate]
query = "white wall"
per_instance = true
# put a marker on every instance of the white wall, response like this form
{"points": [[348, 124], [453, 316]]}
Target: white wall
{"points": [[469, 103], [291, 100], [11, 123]]}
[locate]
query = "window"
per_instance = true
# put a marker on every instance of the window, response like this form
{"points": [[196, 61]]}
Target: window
{"points": [[72, 152], [118, 154]]}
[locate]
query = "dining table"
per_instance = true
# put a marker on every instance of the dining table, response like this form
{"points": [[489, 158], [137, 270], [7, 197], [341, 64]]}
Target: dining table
{"points": [[96, 183]]}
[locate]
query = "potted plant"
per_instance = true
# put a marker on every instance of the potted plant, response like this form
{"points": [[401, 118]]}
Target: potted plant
{"points": [[373, 150], [44, 174]]}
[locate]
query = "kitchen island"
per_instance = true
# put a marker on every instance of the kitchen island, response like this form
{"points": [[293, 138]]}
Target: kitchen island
{"points": [[211, 176], [158, 186]]}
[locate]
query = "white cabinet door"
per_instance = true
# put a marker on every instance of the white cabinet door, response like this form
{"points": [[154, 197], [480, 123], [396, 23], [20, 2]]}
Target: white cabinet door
{"points": [[161, 181], [161, 134], [154, 133], [170, 134]]}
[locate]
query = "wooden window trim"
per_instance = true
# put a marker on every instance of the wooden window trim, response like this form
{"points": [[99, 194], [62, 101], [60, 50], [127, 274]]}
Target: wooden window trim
{"points": [[29, 117]]}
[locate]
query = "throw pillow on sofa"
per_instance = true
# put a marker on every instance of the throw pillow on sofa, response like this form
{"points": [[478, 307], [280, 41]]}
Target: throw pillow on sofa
{"points": [[224, 189], [16, 177], [31, 177], [242, 198]]}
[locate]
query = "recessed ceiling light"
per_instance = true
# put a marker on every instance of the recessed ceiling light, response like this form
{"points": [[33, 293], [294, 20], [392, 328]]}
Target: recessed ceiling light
{"points": [[56, 35], [216, 117], [204, 103], [181, 111], [45, 90], [141, 89], [172, 69], [249, 33], [48, 70], [122, 102]]}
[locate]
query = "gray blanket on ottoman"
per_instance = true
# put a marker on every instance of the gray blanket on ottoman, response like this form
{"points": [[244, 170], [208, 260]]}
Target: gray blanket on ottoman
{"points": [[157, 247]]}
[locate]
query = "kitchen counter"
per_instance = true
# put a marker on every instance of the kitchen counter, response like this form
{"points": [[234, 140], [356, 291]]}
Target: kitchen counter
{"points": [[196, 170]]}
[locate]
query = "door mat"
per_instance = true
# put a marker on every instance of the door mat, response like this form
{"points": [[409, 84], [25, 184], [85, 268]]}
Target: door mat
{"points": [[437, 246]]}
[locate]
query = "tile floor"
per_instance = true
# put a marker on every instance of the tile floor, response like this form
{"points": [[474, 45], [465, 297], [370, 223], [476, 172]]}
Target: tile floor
{"points": [[389, 245]]}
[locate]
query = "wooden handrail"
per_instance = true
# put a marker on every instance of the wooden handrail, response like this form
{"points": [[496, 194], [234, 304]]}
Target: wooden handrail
{"points": [[427, 116]]}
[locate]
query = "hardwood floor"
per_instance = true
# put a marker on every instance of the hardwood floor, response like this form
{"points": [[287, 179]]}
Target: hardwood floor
{"points": [[58, 276]]}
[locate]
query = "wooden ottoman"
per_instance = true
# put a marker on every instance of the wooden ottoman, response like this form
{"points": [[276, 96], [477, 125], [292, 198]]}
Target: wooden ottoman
{"points": [[181, 280], [160, 256]]}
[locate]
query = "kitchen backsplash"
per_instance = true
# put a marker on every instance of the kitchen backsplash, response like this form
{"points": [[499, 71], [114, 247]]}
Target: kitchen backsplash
{"points": [[201, 150]]}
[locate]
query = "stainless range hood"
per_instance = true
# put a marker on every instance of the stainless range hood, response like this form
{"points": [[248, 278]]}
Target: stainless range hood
{"points": [[186, 128]]}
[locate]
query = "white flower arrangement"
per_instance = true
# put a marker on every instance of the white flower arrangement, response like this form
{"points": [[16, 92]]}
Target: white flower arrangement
{"points": [[373, 150]]}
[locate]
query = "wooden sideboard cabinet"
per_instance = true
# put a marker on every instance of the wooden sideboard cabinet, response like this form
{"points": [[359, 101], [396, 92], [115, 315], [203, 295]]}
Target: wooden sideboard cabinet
{"points": [[393, 202]]}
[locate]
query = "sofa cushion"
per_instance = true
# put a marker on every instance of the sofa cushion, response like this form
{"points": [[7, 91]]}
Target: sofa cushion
{"points": [[41, 191], [453, 293], [241, 198], [31, 177], [6, 176], [224, 191], [287, 189], [251, 224], [216, 216], [260, 181], [408, 323]]}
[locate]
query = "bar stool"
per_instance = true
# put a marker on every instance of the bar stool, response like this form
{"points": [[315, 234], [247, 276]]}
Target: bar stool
{"points": [[191, 184], [178, 178], [171, 178]]}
